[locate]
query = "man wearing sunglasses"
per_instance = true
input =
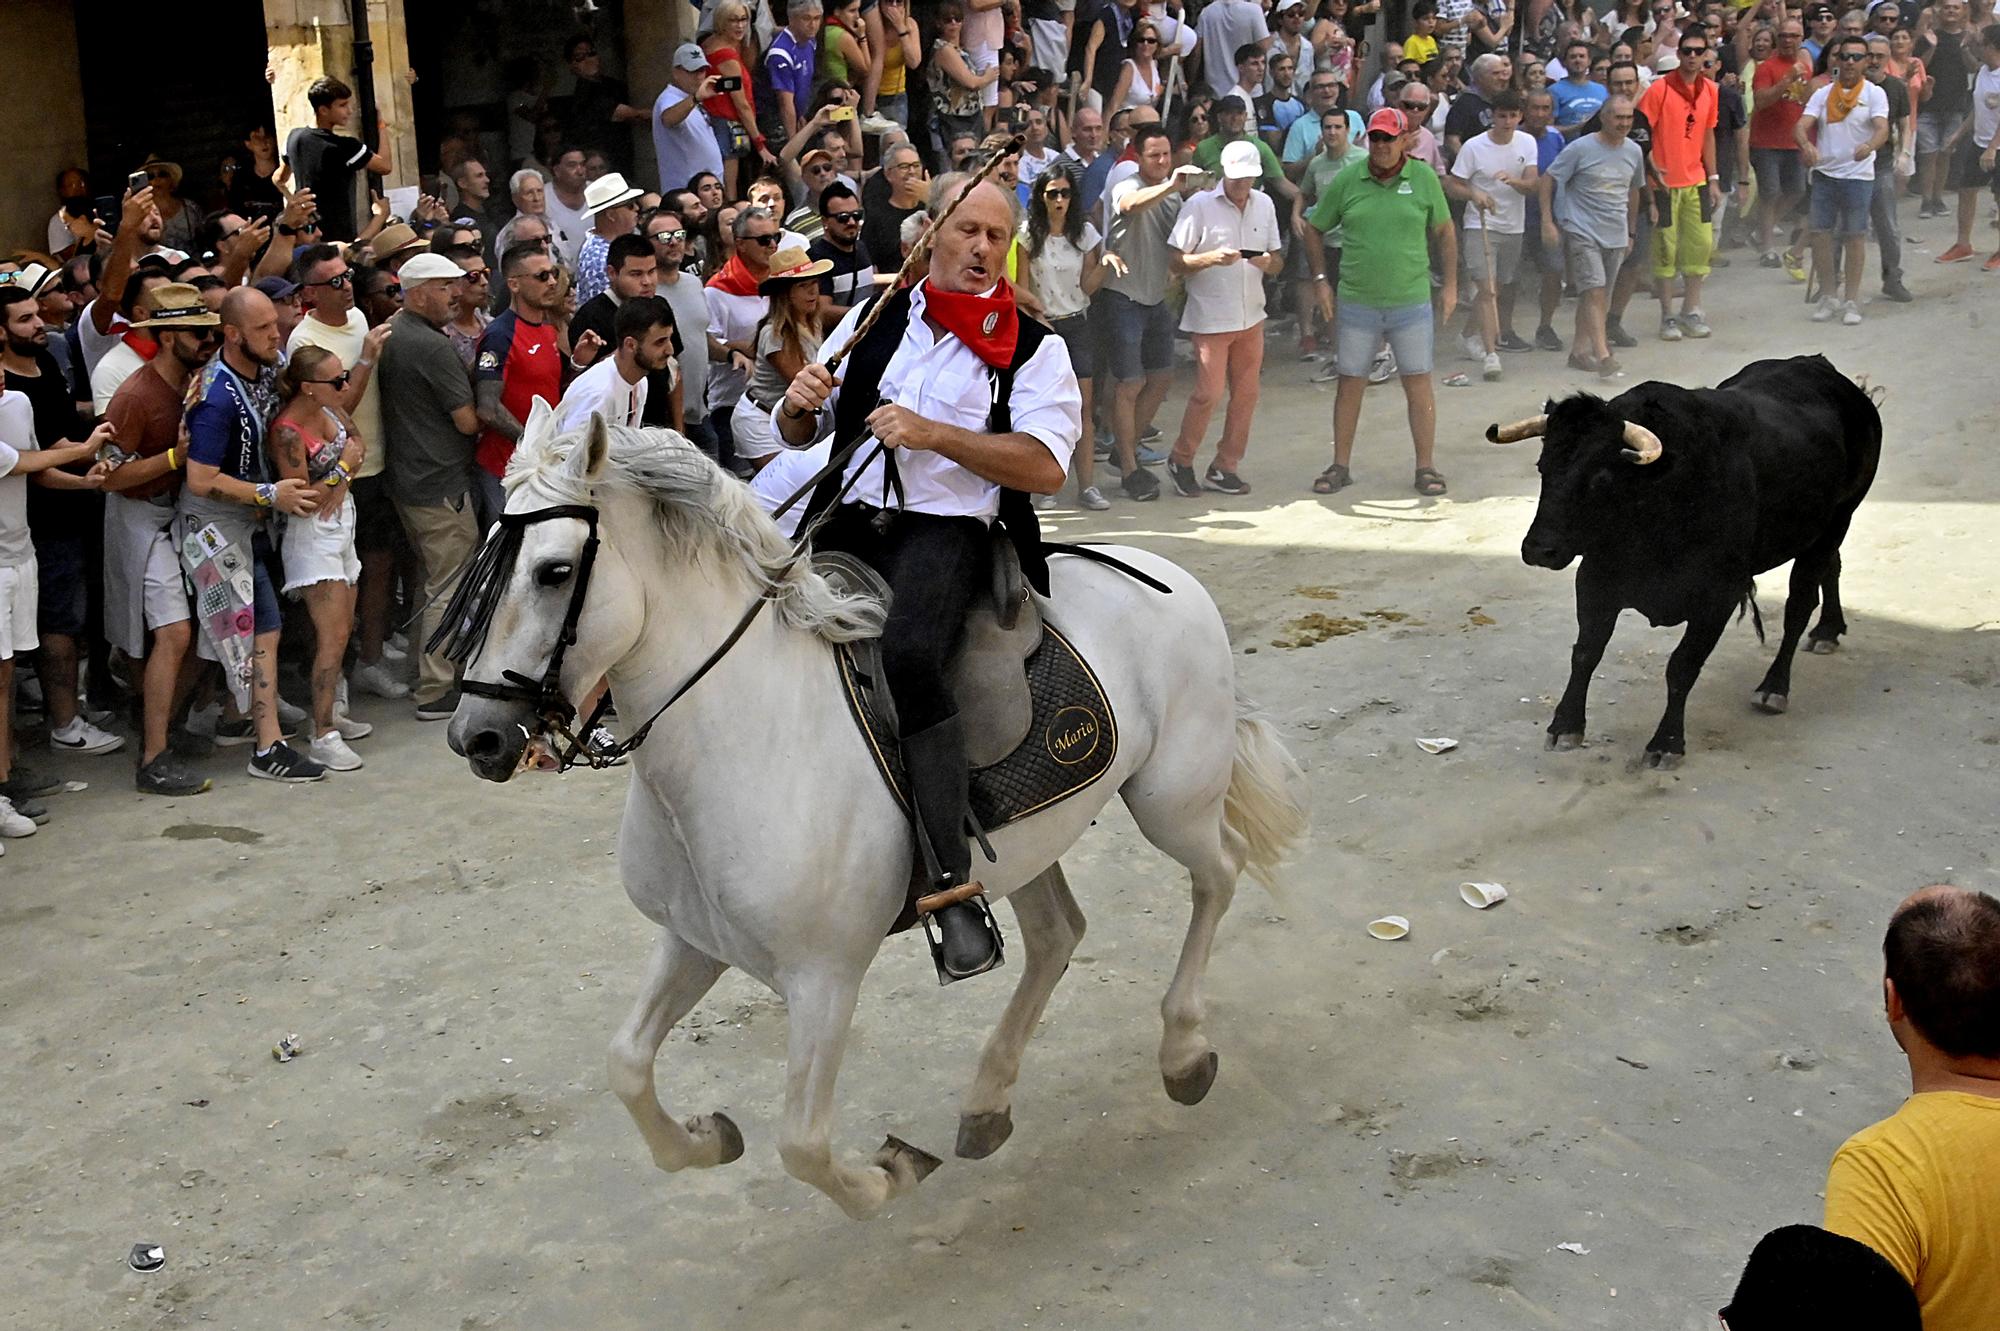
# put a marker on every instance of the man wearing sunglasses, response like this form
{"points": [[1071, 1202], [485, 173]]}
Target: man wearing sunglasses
{"points": [[853, 275], [1895, 164], [519, 361], [1838, 135], [1683, 109], [682, 290]]}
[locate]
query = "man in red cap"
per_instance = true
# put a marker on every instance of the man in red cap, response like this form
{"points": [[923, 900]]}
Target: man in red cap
{"points": [[1390, 209]]}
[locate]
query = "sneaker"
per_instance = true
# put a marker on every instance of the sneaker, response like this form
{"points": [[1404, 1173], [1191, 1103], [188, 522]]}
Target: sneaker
{"points": [[438, 709], [26, 784], [1770, 259], [1926, 210], [282, 762], [79, 736], [28, 694], [603, 746], [1825, 311], [1093, 499], [1140, 484], [1490, 367], [1226, 482], [1473, 347], [168, 775], [1896, 291], [1512, 341], [231, 732], [202, 720], [1149, 457], [873, 123], [1186, 483], [290, 717], [1795, 267], [1384, 368], [1850, 314], [1615, 335], [393, 654], [1609, 369], [376, 679], [1670, 329], [1548, 339], [1694, 325], [1043, 503], [1150, 435], [14, 824], [348, 727], [1105, 443], [1956, 254], [1992, 264], [331, 752], [1329, 371]]}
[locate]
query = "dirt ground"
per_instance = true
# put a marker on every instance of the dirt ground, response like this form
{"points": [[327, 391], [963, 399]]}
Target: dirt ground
{"points": [[1650, 1050]]}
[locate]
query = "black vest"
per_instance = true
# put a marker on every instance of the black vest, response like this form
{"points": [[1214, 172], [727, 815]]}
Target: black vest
{"points": [[860, 393]]}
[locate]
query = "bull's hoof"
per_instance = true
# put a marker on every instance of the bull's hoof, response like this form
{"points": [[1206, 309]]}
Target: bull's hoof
{"points": [[1565, 742], [1772, 704], [1191, 1087], [725, 1132], [1822, 646], [980, 1135], [905, 1161], [1662, 760]]}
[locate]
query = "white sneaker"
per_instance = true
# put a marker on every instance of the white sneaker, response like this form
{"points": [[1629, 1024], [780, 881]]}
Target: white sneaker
{"points": [[1850, 314], [878, 124], [1491, 370], [331, 752], [349, 728], [203, 720], [13, 824], [393, 654], [290, 716], [1828, 307], [1384, 368], [79, 736], [1670, 329], [1474, 348], [377, 680], [1043, 503]]}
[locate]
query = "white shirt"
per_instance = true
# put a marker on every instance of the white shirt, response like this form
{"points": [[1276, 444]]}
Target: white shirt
{"points": [[1224, 26], [603, 390], [1033, 166], [114, 367], [940, 379], [1058, 272], [1837, 140], [1985, 107], [1229, 297], [17, 436], [731, 319], [1481, 162], [573, 225]]}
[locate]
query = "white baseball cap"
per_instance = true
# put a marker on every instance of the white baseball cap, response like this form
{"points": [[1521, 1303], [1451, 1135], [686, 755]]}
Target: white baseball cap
{"points": [[1240, 161], [429, 268]]}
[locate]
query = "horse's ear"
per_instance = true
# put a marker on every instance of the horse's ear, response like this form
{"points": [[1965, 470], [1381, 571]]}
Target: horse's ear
{"points": [[596, 446], [541, 416]]}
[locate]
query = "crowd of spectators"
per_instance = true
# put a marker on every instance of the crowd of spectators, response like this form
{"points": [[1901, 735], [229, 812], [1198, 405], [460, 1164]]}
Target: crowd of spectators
{"points": [[249, 436]]}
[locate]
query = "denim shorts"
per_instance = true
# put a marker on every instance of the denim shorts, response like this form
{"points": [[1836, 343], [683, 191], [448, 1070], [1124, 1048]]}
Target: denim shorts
{"points": [[1360, 330], [1841, 206], [1081, 340], [1935, 128], [1139, 339]]}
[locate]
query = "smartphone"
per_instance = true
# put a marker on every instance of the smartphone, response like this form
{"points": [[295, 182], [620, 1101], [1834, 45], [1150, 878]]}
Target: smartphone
{"points": [[1253, 254], [840, 113], [135, 182], [729, 83]]}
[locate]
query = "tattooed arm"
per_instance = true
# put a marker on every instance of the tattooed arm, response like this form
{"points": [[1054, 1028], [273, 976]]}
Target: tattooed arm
{"points": [[288, 450]]}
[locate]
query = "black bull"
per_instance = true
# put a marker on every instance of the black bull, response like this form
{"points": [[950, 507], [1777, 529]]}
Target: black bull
{"points": [[1676, 498]]}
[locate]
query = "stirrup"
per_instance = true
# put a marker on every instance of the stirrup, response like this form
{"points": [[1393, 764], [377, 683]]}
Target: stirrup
{"points": [[967, 902]]}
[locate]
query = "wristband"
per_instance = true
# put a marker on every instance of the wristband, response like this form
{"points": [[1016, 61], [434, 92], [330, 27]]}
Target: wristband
{"points": [[267, 495], [337, 476], [171, 464], [365, 361]]}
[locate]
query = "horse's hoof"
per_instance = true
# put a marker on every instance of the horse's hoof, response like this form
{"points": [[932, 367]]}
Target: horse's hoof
{"points": [[1662, 760], [980, 1135], [1773, 704], [1565, 742], [906, 1161], [1191, 1087], [727, 1135], [1823, 646]]}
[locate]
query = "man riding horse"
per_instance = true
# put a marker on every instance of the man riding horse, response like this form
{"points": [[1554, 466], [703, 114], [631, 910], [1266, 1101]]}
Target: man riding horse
{"points": [[975, 407]]}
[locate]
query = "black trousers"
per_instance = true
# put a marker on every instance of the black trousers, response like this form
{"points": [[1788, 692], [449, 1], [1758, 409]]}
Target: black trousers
{"points": [[935, 566]]}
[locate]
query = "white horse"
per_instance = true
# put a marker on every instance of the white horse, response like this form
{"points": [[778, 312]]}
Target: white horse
{"points": [[757, 831]]}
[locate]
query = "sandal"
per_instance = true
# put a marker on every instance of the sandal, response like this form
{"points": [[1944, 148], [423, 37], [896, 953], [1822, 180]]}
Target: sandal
{"points": [[1333, 478], [1429, 481]]}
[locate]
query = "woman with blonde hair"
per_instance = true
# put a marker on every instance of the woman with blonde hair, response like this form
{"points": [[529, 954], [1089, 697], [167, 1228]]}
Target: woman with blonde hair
{"points": [[1139, 80], [786, 338], [731, 50]]}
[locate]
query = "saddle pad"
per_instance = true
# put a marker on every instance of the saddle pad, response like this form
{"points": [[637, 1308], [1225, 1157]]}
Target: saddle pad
{"points": [[1071, 739]]}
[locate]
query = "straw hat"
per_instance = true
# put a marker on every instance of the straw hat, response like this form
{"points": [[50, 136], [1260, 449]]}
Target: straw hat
{"points": [[172, 169], [177, 305], [396, 238], [789, 266]]}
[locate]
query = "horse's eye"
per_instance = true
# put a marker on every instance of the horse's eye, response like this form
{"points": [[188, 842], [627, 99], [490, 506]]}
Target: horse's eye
{"points": [[554, 575]]}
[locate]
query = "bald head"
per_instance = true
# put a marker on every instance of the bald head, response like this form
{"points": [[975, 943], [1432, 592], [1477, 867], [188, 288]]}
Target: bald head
{"points": [[250, 327], [1941, 958]]}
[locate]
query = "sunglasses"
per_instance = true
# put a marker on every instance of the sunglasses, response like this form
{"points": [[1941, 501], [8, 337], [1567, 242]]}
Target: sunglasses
{"points": [[338, 281], [1055, 193], [478, 274], [1377, 136], [545, 275], [338, 381], [1146, 41], [771, 241], [1694, 50], [667, 237], [853, 215], [1851, 55]]}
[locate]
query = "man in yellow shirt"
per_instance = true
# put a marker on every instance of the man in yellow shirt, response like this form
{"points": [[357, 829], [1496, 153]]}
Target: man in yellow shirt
{"points": [[1922, 1187]]}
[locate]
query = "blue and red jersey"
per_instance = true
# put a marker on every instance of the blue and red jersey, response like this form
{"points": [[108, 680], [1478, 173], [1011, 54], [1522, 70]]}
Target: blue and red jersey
{"points": [[524, 357]]}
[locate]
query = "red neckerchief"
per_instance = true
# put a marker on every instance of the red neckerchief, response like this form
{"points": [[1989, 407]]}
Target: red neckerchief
{"points": [[988, 325], [139, 342], [735, 278], [1384, 177]]}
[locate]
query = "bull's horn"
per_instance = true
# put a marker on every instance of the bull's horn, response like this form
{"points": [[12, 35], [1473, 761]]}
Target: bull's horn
{"points": [[1641, 444], [1530, 428]]}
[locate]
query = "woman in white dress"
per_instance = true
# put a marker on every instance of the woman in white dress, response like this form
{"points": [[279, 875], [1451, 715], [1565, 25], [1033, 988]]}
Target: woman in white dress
{"points": [[1139, 81], [1066, 265]]}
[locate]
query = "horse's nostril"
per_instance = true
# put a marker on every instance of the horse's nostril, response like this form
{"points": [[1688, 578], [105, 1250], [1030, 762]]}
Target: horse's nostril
{"points": [[484, 744]]}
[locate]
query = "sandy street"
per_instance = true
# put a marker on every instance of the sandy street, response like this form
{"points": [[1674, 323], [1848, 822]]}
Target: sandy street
{"points": [[1649, 1051]]}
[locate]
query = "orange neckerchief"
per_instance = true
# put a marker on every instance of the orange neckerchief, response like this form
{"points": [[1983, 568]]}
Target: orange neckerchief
{"points": [[1840, 100]]}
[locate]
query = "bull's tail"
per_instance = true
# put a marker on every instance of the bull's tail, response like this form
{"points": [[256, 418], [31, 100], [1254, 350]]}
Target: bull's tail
{"points": [[1748, 603]]}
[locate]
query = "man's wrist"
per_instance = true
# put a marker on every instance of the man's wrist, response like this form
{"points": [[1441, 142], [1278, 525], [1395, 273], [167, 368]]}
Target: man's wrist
{"points": [[266, 495]]}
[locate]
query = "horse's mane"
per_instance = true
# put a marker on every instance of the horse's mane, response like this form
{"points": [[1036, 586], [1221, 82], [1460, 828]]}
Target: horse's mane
{"points": [[703, 512]]}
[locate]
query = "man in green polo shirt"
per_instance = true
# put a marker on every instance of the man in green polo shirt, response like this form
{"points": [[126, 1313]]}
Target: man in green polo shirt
{"points": [[1390, 209], [1230, 116]]}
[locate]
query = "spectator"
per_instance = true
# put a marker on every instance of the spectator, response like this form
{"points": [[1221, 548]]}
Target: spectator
{"points": [[598, 112], [1895, 164], [1138, 324], [1973, 148], [1683, 108], [1278, 110], [1851, 117], [72, 223], [1291, 40], [895, 192], [326, 161], [476, 205], [1421, 46], [567, 204], [851, 279], [1225, 243], [518, 363], [1037, 153], [613, 207], [1779, 90], [787, 337], [1820, 28], [333, 321], [180, 219], [1390, 212], [1065, 267], [957, 80], [1493, 173], [844, 56], [1106, 35], [65, 518], [1231, 117], [1577, 95], [1139, 77], [813, 173], [731, 111], [229, 488], [985, 35], [1949, 52], [1802, 1276], [1920, 1187], [312, 439], [683, 293], [427, 409], [531, 218], [1471, 111], [1251, 66], [1544, 265], [633, 269], [685, 137], [736, 306], [1590, 200], [1227, 26], [377, 294], [790, 66], [134, 345], [1305, 139], [617, 382], [469, 318], [1337, 152], [1418, 103], [1623, 80], [900, 50]]}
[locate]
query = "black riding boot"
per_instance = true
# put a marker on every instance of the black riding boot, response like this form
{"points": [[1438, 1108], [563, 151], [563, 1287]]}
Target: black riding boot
{"points": [[964, 938]]}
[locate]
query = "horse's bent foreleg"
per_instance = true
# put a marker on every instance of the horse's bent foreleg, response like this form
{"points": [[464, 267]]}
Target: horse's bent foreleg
{"points": [[821, 1010], [1051, 927], [675, 982]]}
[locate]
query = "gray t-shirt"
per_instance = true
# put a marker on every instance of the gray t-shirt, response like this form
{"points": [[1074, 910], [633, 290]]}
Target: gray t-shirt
{"points": [[1594, 184], [423, 382], [17, 436], [767, 382], [1140, 239], [683, 294]]}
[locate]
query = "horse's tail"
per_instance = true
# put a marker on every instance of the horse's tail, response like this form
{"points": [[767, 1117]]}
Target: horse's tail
{"points": [[1264, 803]]}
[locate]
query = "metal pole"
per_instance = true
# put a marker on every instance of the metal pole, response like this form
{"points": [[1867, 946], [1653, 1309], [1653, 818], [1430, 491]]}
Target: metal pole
{"points": [[364, 73]]}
